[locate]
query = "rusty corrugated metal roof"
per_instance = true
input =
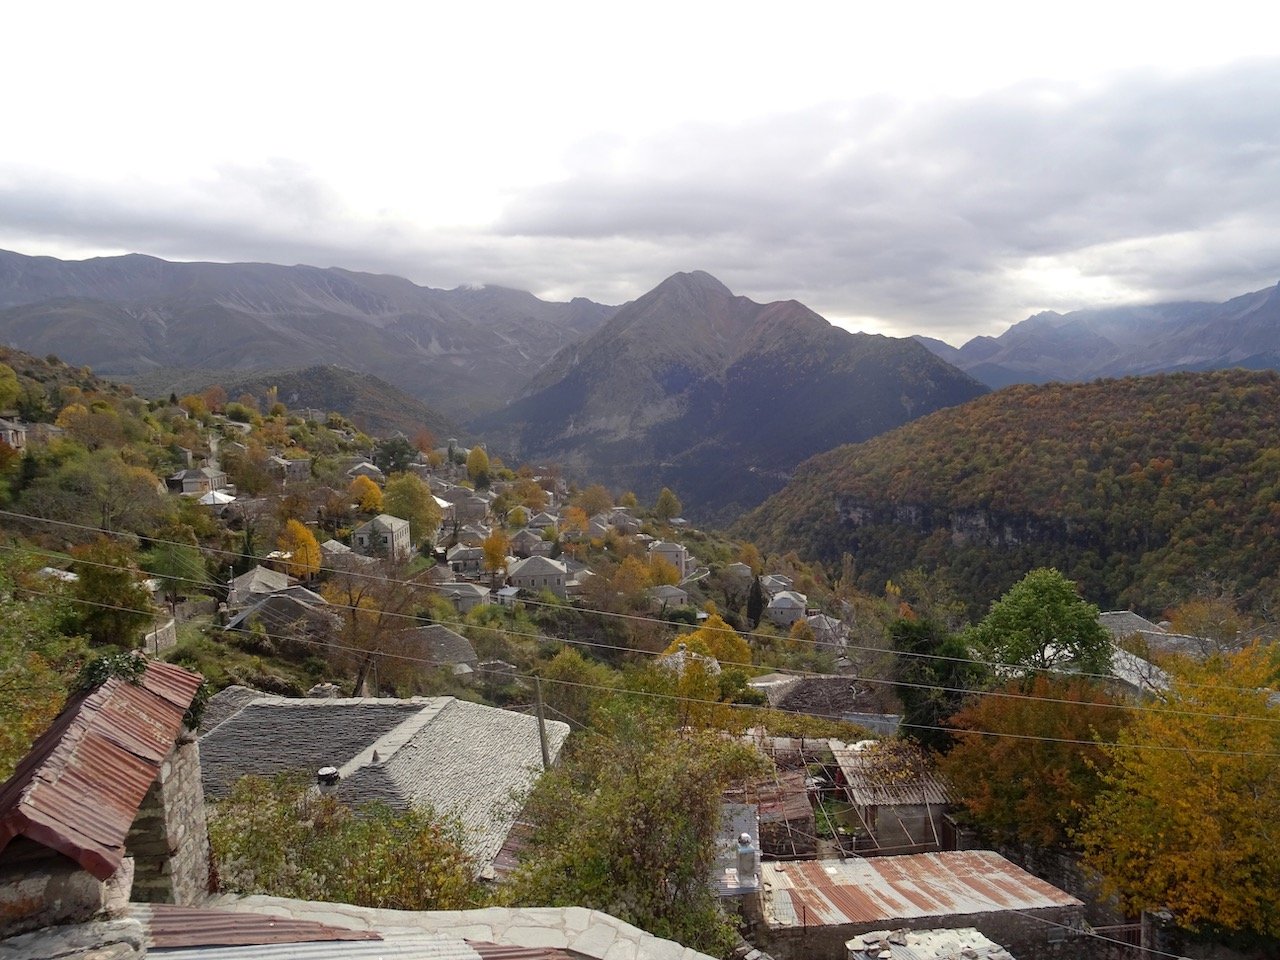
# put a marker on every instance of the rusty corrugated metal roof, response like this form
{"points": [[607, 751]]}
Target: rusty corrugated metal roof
{"points": [[80, 786], [499, 951], [171, 927], [887, 889], [889, 773]]}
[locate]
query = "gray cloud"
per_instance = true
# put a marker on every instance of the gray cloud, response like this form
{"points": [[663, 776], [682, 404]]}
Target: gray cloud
{"points": [[932, 217]]}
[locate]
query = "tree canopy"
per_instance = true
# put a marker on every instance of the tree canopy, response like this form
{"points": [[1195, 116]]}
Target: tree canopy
{"points": [[627, 825], [1025, 764], [1042, 622], [1186, 820], [407, 496]]}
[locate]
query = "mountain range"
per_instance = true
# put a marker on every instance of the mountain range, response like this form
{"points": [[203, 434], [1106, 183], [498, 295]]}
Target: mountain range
{"points": [[716, 396], [460, 350], [1118, 341], [1141, 489]]}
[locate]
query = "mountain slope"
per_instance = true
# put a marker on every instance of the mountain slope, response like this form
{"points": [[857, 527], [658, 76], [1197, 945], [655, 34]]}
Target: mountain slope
{"points": [[460, 350], [716, 396], [1119, 341], [1135, 487]]}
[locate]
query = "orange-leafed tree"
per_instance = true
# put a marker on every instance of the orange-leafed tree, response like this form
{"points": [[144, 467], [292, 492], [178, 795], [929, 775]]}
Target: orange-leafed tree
{"points": [[1026, 762]]}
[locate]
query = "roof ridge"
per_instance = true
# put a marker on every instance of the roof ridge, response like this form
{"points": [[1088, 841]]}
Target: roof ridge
{"points": [[402, 733]]}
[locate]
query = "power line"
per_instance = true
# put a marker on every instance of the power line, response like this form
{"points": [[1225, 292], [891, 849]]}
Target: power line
{"points": [[625, 692], [994, 665], [798, 674]]}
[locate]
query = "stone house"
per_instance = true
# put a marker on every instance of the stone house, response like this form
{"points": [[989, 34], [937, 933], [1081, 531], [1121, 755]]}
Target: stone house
{"points": [[285, 469], [441, 647], [675, 554], [196, 481], [465, 597], [366, 469], [13, 433], [665, 597], [106, 805], [539, 573], [786, 608], [383, 536], [464, 560]]}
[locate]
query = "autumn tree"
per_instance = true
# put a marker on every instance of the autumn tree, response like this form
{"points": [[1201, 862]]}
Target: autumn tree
{"points": [[717, 639], [1186, 819], [408, 497], [424, 441], [496, 546], [40, 654], [302, 549], [667, 506], [366, 495], [478, 467], [99, 490], [649, 867], [114, 602], [573, 685], [630, 580], [1041, 622], [1026, 762], [376, 607], [594, 499]]}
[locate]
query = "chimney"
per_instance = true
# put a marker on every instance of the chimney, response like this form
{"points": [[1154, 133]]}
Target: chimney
{"points": [[327, 779]]}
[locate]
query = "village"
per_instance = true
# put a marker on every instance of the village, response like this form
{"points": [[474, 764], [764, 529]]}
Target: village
{"points": [[432, 637]]}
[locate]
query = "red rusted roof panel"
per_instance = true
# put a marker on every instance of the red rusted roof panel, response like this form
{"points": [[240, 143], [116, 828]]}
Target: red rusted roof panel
{"points": [[833, 892], [497, 951], [79, 788], [173, 927]]}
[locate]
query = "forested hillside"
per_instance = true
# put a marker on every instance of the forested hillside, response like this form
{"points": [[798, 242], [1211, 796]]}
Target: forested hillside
{"points": [[1137, 488]]}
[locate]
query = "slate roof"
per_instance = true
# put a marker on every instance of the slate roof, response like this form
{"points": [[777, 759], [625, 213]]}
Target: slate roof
{"points": [[788, 600], [537, 567], [79, 788], [257, 582], [383, 523], [272, 734], [462, 759], [964, 942], [281, 612], [442, 646], [1123, 623]]}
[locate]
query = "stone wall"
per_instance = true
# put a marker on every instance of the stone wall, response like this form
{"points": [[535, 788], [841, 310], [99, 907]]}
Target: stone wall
{"points": [[40, 887], [169, 840], [161, 638]]}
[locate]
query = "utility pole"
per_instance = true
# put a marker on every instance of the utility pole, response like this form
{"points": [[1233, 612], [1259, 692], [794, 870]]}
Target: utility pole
{"points": [[542, 723]]}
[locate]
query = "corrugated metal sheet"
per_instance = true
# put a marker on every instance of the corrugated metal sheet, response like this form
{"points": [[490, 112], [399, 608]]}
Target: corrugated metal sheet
{"points": [[498, 951], [170, 926], [889, 773], [425, 946], [79, 788], [888, 889]]}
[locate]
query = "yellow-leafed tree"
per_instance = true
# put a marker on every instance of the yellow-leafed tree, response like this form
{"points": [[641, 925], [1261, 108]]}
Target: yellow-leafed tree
{"points": [[366, 494], [1186, 822], [717, 639], [304, 552]]}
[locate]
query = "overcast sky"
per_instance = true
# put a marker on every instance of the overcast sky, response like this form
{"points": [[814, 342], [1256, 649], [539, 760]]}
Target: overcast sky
{"points": [[944, 169]]}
